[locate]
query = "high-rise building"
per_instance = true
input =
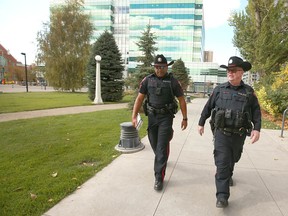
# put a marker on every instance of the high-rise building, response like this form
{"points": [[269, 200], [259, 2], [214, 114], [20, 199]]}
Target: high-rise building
{"points": [[177, 24], [111, 15]]}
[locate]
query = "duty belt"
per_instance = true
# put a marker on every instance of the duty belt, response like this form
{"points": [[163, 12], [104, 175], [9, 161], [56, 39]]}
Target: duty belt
{"points": [[157, 111], [230, 131]]}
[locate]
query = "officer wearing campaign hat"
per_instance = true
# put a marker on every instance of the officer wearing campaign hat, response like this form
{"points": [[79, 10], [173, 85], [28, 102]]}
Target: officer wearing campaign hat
{"points": [[235, 113], [235, 61], [160, 90], [161, 60]]}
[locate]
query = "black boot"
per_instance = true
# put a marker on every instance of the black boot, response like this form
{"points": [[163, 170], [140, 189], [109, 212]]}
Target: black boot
{"points": [[222, 203], [158, 186]]}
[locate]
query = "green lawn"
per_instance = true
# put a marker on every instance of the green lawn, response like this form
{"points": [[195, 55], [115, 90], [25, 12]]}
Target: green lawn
{"points": [[16, 102], [74, 147]]}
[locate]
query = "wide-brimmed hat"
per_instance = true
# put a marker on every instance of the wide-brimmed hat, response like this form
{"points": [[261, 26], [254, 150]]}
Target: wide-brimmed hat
{"points": [[235, 61], [161, 60]]}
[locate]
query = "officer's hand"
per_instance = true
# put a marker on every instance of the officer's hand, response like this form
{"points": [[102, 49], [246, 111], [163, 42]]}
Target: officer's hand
{"points": [[184, 124], [255, 135], [201, 130], [134, 121]]}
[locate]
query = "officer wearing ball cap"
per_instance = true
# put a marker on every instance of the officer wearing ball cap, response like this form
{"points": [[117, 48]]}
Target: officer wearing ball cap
{"points": [[160, 90], [235, 113]]}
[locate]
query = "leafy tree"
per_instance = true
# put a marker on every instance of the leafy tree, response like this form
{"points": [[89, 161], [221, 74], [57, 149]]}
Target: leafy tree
{"points": [[64, 46], [260, 34], [273, 92], [180, 72], [111, 67], [146, 44]]}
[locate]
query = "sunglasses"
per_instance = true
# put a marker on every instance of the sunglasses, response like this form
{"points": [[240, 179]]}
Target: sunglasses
{"points": [[159, 67], [233, 70]]}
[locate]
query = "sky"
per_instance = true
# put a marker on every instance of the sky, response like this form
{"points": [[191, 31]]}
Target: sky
{"points": [[20, 20]]}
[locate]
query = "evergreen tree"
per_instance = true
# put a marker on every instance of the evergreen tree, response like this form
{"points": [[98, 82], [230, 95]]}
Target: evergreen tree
{"points": [[111, 67], [146, 45], [63, 45], [180, 72]]}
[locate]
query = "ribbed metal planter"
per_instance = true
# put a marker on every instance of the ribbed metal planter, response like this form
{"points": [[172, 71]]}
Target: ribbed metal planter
{"points": [[129, 139]]}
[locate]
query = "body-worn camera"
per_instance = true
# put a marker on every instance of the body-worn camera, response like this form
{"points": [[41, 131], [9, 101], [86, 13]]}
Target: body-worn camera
{"points": [[228, 113]]}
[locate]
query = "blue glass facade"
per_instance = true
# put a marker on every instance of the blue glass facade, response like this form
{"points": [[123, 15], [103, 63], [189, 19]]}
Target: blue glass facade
{"points": [[178, 25]]}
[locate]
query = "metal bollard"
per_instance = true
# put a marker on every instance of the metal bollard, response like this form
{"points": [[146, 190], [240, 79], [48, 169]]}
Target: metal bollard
{"points": [[129, 139], [283, 121]]}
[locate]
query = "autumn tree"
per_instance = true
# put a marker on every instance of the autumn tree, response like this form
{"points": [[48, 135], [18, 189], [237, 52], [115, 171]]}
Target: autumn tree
{"points": [[111, 67], [260, 34], [64, 45]]}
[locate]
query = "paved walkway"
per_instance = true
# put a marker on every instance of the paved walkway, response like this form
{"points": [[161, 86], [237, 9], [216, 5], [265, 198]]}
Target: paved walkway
{"points": [[125, 187], [59, 111]]}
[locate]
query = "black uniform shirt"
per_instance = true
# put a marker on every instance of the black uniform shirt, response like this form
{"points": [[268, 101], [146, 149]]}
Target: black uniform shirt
{"points": [[253, 104], [176, 86]]}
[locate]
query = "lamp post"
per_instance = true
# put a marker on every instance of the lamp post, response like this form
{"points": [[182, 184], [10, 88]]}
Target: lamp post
{"points": [[25, 72], [98, 98]]}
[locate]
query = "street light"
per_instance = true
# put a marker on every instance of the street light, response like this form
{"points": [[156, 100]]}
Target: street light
{"points": [[98, 98], [26, 72]]}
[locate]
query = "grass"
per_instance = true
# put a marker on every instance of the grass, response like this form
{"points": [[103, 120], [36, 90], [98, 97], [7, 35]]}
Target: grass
{"points": [[74, 147], [16, 102]]}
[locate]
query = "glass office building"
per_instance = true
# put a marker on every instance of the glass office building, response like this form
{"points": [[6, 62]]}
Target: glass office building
{"points": [[178, 25], [101, 12], [112, 16]]}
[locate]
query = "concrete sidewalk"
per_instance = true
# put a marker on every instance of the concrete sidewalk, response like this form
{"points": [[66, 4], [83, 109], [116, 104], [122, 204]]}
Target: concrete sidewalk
{"points": [[125, 187]]}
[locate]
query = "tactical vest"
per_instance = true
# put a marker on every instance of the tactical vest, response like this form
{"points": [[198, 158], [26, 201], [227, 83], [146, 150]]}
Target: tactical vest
{"points": [[160, 91], [232, 110]]}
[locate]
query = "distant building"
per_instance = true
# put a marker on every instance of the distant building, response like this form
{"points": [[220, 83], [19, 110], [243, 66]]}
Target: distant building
{"points": [[208, 56], [250, 77], [10, 68], [205, 75]]}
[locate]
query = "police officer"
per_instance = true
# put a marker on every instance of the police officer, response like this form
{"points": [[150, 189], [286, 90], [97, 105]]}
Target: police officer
{"points": [[235, 113], [160, 90]]}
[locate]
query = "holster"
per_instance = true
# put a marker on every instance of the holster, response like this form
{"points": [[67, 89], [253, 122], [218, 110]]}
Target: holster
{"points": [[220, 119]]}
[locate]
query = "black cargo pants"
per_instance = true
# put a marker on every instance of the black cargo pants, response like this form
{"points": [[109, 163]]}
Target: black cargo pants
{"points": [[227, 151], [160, 132]]}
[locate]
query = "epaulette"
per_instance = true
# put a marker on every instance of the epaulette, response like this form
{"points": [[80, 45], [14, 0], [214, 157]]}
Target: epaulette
{"points": [[248, 88], [170, 74], [223, 85]]}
